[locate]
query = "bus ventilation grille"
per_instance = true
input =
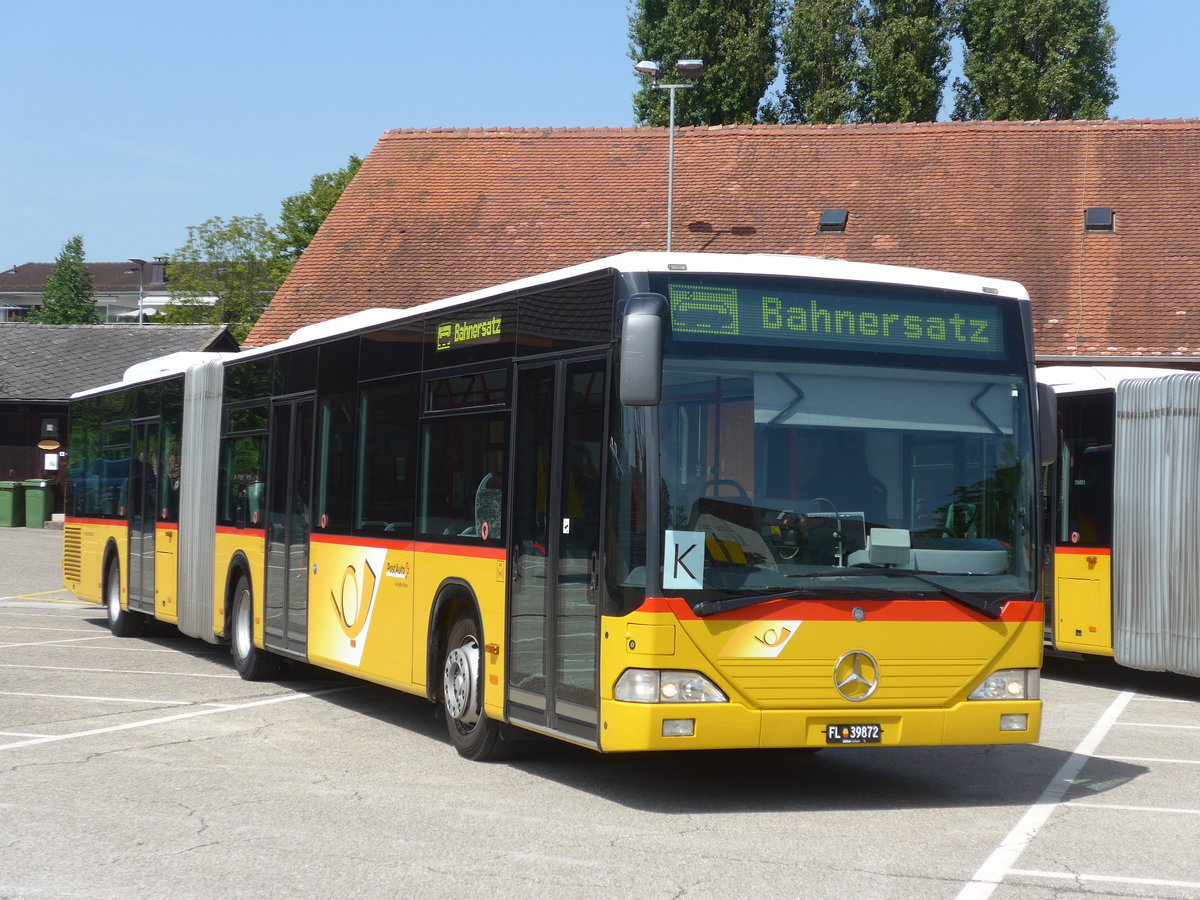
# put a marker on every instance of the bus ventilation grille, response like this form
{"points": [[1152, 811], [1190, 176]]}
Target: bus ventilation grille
{"points": [[72, 553]]}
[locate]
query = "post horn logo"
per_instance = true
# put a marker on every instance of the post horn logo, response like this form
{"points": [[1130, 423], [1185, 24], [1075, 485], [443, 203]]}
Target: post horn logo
{"points": [[856, 675], [355, 601]]}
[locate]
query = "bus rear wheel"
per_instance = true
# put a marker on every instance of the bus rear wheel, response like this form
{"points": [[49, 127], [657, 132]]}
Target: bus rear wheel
{"points": [[121, 622], [472, 733], [252, 663]]}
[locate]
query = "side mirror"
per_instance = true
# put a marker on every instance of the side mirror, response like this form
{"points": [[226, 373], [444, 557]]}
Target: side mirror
{"points": [[1047, 412], [643, 328]]}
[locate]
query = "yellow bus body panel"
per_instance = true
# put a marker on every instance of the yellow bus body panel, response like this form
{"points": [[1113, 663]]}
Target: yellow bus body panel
{"points": [[166, 574], [84, 544], [1083, 601], [779, 678], [370, 604], [360, 611], [251, 543]]}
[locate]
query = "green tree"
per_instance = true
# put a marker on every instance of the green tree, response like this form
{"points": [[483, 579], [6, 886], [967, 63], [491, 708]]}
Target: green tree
{"points": [[734, 38], [224, 275], [68, 298], [904, 54], [1035, 59], [302, 214], [819, 50]]}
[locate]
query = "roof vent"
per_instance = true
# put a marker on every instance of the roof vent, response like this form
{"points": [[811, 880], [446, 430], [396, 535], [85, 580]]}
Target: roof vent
{"points": [[1099, 218], [833, 220]]}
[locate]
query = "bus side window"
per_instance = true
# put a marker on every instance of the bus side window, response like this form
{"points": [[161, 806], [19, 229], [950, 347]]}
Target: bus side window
{"points": [[461, 477], [386, 446], [239, 482]]}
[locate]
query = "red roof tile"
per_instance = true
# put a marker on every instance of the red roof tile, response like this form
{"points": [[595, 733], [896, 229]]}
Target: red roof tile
{"points": [[440, 212]]}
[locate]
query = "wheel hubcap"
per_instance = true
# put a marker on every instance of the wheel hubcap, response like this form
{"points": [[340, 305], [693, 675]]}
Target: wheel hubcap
{"points": [[459, 681], [241, 629], [114, 600]]}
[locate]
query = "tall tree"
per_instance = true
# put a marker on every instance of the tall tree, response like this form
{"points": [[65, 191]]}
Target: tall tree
{"points": [[224, 274], [302, 214], [734, 38], [68, 298], [819, 51], [1035, 59], [905, 52]]}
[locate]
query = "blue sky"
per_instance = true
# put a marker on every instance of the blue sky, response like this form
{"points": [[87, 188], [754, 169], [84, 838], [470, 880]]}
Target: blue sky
{"points": [[128, 121]]}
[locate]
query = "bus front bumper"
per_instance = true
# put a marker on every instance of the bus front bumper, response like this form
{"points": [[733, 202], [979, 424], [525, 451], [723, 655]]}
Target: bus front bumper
{"points": [[627, 727]]}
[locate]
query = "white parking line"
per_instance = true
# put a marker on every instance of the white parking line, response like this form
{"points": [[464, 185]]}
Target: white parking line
{"points": [[1162, 700], [198, 651], [1112, 879], [1159, 725], [101, 637], [100, 699], [1155, 759], [175, 718], [119, 671], [1000, 863], [1121, 806]]}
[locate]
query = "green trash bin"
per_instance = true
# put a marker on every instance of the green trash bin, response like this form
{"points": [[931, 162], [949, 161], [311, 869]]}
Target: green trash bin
{"points": [[39, 502], [12, 503]]}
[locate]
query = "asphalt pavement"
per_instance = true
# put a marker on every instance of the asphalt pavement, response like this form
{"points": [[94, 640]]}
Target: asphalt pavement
{"points": [[143, 767]]}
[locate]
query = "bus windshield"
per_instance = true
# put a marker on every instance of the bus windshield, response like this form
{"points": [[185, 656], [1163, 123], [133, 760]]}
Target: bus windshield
{"points": [[774, 471]]}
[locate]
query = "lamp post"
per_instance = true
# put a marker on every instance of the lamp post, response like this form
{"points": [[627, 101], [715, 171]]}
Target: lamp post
{"points": [[686, 68], [141, 264]]}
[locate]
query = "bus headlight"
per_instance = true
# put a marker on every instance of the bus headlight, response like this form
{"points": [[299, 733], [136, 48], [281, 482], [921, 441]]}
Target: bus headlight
{"points": [[1009, 684], [666, 686]]}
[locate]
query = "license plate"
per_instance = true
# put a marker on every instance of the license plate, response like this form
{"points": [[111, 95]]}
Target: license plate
{"points": [[853, 734]]}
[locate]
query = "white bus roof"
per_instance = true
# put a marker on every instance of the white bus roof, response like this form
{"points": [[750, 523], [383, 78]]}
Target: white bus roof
{"points": [[635, 261], [1082, 379], [715, 263]]}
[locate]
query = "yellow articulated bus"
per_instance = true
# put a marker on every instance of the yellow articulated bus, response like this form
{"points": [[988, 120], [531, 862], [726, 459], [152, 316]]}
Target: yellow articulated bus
{"points": [[1124, 497], [657, 501]]}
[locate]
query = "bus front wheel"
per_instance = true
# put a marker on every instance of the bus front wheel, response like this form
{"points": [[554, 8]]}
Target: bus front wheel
{"points": [[252, 663], [121, 622], [472, 733]]}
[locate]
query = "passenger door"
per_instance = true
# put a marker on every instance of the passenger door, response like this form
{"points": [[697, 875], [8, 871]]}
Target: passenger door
{"points": [[554, 556], [144, 473], [289, 524]]}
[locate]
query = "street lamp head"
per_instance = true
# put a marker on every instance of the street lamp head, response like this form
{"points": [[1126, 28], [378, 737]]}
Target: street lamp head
{"points": [[690, 68], [134, 259], [646, 67]]}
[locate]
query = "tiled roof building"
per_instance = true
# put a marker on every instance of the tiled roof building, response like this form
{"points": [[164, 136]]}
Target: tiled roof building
{"points": [[436, 213]]}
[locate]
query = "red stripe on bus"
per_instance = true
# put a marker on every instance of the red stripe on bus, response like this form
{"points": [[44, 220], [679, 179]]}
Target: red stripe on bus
{"points": [[451, 550], [166, 526], [232, 529], [1084, 551], [416, 546], [77, 520], [343, 540], [900, 610]]}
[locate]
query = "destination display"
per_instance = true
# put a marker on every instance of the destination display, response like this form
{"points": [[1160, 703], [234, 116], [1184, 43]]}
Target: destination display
{"points": [[817, 314]]}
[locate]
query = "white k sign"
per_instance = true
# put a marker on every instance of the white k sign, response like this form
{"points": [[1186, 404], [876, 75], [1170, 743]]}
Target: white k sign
{"points": [[683, 560]]}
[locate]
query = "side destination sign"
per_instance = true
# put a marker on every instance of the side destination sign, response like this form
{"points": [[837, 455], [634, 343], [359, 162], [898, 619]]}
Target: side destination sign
{"points": [[455, 334], [810, 314]]}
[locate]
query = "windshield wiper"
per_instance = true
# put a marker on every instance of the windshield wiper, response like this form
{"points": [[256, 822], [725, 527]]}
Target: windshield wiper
{"points": [[712, 607], [990, 608]]}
